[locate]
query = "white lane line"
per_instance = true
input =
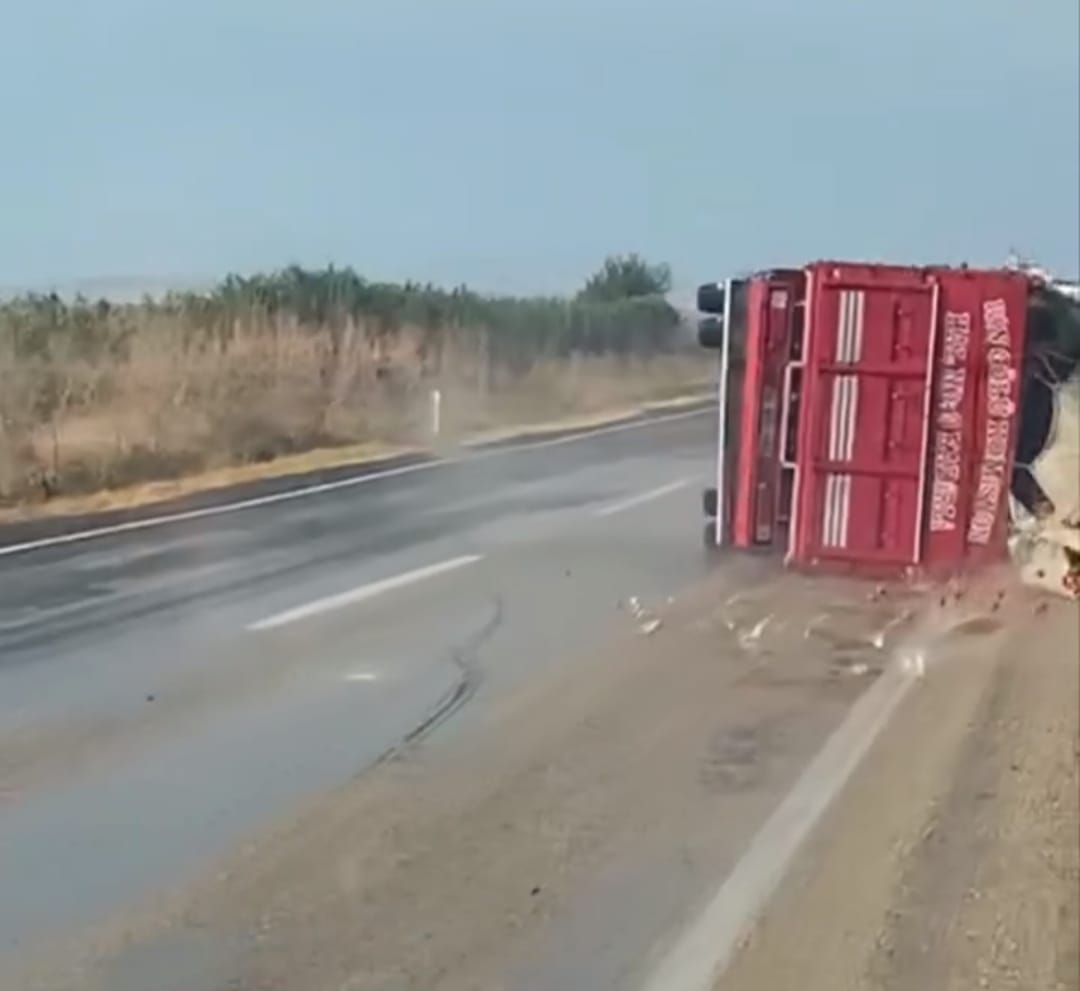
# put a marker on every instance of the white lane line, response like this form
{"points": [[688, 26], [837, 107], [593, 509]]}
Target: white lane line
{"points": [[703, 952], [362, 676], [341, 483], [643, 497], [363, 593]]}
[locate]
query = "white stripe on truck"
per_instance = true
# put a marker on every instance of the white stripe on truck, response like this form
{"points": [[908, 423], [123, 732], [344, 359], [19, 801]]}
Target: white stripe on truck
{"points": [[843, 417]]}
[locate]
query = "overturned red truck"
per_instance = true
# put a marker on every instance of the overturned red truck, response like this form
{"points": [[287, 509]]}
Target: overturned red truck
{"points": [[869, 414]]}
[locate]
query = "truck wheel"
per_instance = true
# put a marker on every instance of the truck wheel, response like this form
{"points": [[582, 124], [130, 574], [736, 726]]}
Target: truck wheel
{"points": [[710, 333], [709, 503], [711, 298]]}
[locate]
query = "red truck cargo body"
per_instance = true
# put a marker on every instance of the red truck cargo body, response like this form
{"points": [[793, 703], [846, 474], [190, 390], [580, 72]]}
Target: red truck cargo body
{"points": [[908, 416], [878, 416]]}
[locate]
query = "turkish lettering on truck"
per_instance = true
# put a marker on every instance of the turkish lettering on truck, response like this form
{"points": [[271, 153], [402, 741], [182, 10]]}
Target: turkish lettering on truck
{"points": [[876, 416]]}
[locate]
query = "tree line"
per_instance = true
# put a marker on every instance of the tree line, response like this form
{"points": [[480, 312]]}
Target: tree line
{"points": [[621, 309]]}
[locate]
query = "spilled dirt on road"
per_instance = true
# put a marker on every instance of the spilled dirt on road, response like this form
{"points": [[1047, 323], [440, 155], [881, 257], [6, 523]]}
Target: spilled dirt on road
{"points": [[551, 837], [561, 832], [952, 861]]}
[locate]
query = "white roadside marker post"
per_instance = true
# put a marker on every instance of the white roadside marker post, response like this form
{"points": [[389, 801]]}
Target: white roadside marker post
{"points": [[436, 412]]}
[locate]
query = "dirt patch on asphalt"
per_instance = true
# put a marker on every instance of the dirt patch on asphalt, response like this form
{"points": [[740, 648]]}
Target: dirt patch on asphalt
{"points": [[560, 838], [626, 784], [952, 860]]}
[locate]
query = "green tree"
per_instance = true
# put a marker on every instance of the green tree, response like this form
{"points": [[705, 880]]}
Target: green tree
{"points": [[626, 277]]}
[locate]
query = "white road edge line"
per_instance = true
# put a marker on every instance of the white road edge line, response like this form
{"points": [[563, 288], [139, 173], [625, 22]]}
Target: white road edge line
{"points": [[362, 593], [341, 483], [643, 497], [706, 948]]}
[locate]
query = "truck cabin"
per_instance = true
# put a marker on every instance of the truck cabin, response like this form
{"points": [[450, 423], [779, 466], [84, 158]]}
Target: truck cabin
{"points": [[757, 325], [869, 415]]}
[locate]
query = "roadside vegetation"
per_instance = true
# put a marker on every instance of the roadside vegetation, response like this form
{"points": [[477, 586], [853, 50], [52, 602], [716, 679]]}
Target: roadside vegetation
{"points": [[99, 394]]}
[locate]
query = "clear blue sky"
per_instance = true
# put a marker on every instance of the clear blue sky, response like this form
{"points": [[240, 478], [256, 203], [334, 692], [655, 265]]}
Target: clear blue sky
{"points": [[512, 144]]}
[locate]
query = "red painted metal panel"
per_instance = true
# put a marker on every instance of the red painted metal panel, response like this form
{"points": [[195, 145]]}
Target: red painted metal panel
{"points": [[906, 424], [860, 454], [744, 515], [976, 395], [770, 315]]}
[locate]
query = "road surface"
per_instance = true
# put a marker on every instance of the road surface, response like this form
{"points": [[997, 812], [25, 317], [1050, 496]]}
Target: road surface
{"points": [[952, 860], [492, 723], [160, 698]]}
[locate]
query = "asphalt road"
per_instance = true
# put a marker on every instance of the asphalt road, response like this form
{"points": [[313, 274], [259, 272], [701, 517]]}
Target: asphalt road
{"points": [[167, 690]]}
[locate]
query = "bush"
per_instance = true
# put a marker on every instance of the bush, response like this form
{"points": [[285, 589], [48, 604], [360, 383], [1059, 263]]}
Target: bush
{"points": [[99, 393]]}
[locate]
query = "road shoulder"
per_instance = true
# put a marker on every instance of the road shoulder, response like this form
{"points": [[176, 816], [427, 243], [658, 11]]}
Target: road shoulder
{"points": [[314, 470], [951, 861]]}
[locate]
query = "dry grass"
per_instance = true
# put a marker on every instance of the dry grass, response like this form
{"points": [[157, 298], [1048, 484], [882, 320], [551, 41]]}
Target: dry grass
{"points": [[177, 413], [147, 493]]}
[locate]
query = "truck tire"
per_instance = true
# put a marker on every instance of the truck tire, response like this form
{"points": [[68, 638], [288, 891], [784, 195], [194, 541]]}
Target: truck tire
{"points": [[708, 537], [711, 298], [710, 333], [709, 503]]}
